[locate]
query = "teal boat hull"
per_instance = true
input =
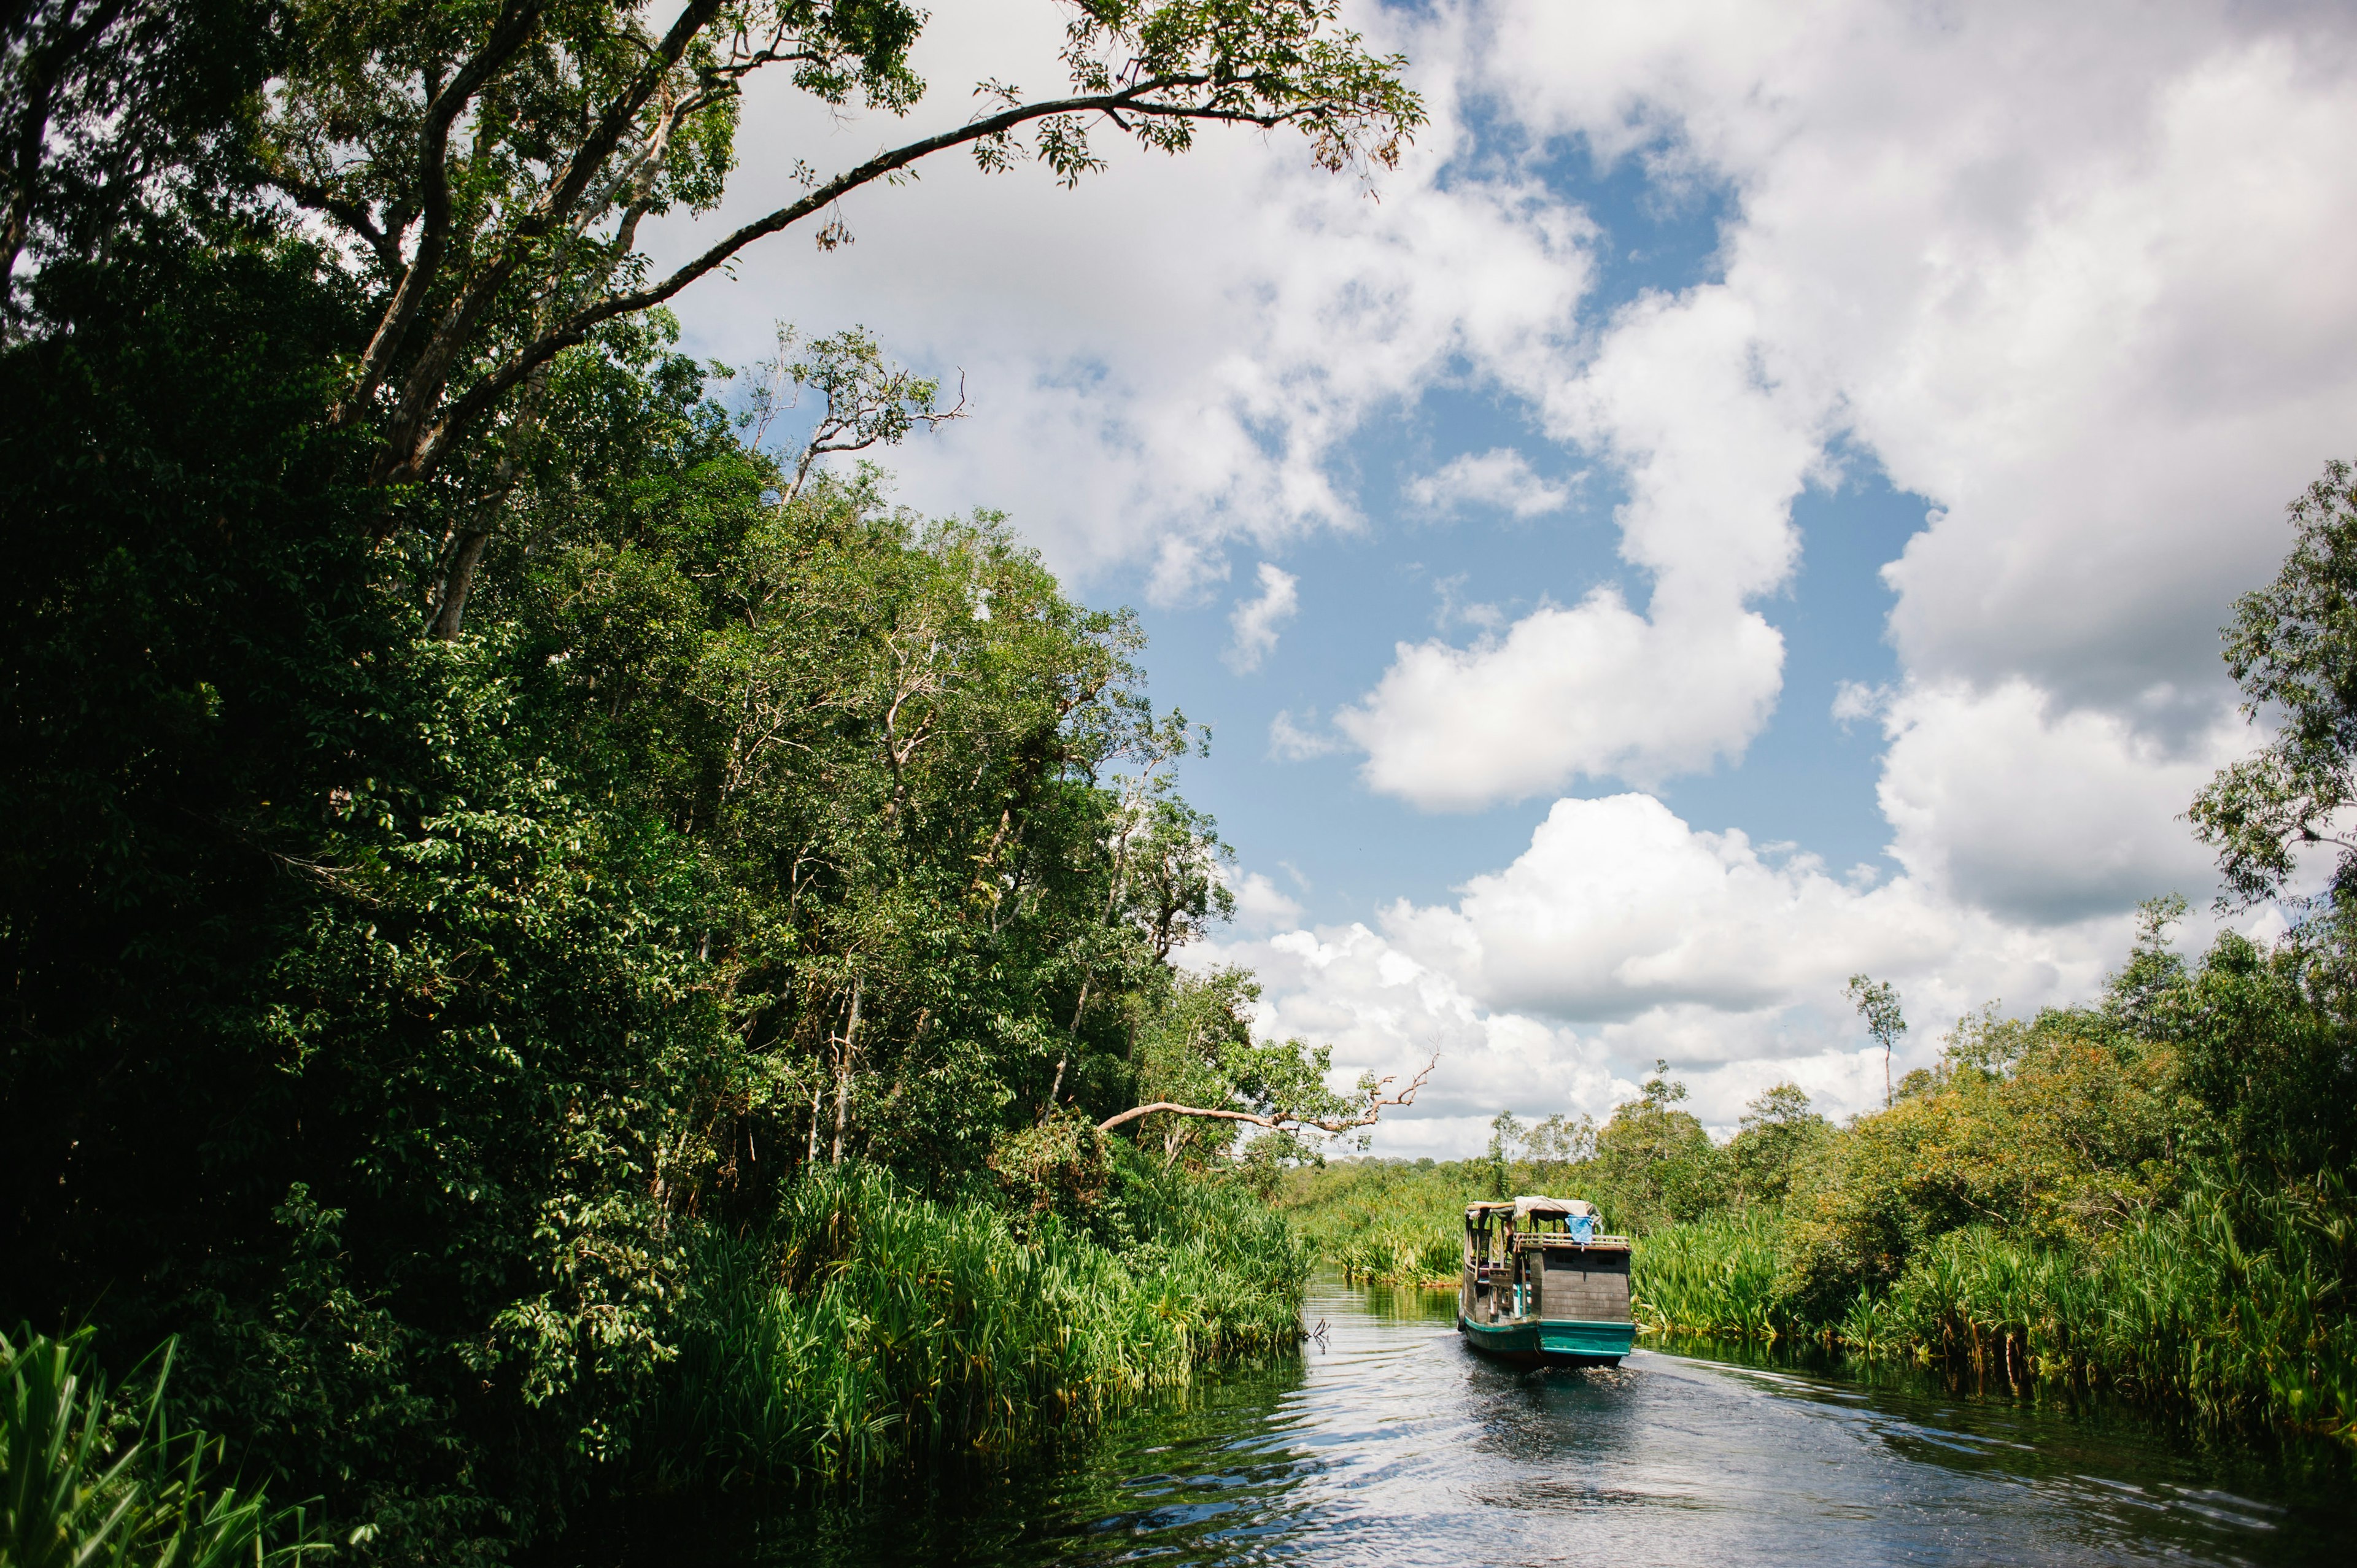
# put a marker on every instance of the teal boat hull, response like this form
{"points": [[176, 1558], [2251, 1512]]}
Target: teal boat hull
{"points": [[1550, 1342]]}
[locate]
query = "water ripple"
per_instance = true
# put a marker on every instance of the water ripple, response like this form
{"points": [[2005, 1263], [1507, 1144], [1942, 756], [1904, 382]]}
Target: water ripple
{"points": [[1388, 1443]]}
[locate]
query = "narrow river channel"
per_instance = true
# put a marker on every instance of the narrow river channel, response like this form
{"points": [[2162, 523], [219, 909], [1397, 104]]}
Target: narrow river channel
{"points": [[1388, 1443]]}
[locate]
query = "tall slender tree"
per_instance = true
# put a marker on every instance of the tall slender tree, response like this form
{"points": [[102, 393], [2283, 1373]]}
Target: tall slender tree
{"points": [[1876, 1002]]}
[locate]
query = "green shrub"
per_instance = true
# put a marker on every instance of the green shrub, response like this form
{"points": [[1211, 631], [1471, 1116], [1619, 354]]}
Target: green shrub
{"points": [[2236, 1299]]}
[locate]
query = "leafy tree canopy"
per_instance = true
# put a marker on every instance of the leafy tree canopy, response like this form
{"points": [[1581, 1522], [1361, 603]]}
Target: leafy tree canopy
{"points": [[473, 811], [2292, 648]]}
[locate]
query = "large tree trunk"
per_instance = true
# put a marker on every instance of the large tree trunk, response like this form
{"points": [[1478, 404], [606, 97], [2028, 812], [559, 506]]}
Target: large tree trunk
{"points": [[467, 550], [843, 1063], [457, 582], [1071, 1037]]}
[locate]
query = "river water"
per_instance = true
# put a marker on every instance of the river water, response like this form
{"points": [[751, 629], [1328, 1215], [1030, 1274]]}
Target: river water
{"points": [[1389, 1442]]}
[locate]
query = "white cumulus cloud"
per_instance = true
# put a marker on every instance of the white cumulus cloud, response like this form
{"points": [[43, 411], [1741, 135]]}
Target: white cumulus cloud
{"points": [[2070, 274], [1164, 361], [1591, 690], [1621, 933], [1713, 457], [1385, 1011], [1261, 904], [2005, 800], [1619, 909]]}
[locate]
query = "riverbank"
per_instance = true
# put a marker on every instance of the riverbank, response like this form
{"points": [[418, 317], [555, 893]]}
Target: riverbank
{"points": [[2230, 1304], [2149, 1195], [434, 1024], [1386, 1442], [861, 1326]]}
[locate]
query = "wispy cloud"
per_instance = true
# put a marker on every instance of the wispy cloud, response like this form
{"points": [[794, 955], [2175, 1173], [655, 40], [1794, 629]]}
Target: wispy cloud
{"points": [[1455, 610], [1257, 621], [1298, 740], [1501, 478], [1855, 699]]}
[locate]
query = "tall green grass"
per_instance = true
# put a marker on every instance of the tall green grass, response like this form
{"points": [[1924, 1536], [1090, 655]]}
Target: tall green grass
{"points": [[89, 1482], [2237, 1300], [1386, 1223], [866, 1324], [1400, 1255], [1720, 1277], [2242, 1302]]}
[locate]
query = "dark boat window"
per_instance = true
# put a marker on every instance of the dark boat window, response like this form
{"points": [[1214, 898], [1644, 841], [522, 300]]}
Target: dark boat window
{"points": [[1587, 1262]]}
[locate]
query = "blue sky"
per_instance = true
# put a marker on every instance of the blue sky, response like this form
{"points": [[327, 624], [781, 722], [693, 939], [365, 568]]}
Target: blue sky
{"points": [[1807, 779], [1860, 418]]}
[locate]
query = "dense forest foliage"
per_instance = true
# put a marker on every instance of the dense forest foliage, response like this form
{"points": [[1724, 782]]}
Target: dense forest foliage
{"points": [[555, 937]]}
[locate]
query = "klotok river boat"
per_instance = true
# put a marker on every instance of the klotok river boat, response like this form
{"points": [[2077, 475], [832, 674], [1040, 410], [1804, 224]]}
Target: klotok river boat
{"points": [[1542, 1288]]}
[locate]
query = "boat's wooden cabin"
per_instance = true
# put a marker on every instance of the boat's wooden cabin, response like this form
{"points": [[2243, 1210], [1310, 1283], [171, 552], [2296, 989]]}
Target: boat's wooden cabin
{"points": [[1541, 1260]]}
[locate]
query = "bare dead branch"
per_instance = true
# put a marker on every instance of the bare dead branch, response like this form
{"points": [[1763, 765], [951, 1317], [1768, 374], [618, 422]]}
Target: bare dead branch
{"points": [[1280, 1121]]}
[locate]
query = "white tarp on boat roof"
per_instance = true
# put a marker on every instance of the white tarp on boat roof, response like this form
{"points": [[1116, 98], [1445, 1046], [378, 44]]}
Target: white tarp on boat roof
{"points": [[1539, 1203]]}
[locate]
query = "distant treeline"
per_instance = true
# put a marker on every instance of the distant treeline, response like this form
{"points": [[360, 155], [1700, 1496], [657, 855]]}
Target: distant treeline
{"points": [[2151, 1192]]}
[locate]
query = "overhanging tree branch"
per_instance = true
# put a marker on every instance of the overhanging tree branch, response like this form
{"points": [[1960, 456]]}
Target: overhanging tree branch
{"points": [[1141, 98], [430, 376], [515, 26], [1280, 1120]]}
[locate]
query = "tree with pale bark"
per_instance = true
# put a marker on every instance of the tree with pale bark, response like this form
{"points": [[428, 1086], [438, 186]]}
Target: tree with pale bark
{"points": [[1209, 1075]]}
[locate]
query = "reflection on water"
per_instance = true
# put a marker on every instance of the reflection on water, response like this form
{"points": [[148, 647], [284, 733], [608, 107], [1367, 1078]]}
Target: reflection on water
{"points": [[1388, 1443]]}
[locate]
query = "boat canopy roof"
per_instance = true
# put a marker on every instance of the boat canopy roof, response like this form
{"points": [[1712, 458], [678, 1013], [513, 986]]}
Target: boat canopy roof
{"points": [[1538, 1204]]}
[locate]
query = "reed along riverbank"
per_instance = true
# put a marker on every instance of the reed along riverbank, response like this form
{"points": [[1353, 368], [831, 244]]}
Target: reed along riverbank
{"points": [[860, 1325], [2234, 1302], [2151, 1193], [866, 1324]]}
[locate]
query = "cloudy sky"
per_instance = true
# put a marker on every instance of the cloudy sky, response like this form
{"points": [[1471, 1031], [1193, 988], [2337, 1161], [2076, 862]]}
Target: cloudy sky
{"points": [[1750, 500]]}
